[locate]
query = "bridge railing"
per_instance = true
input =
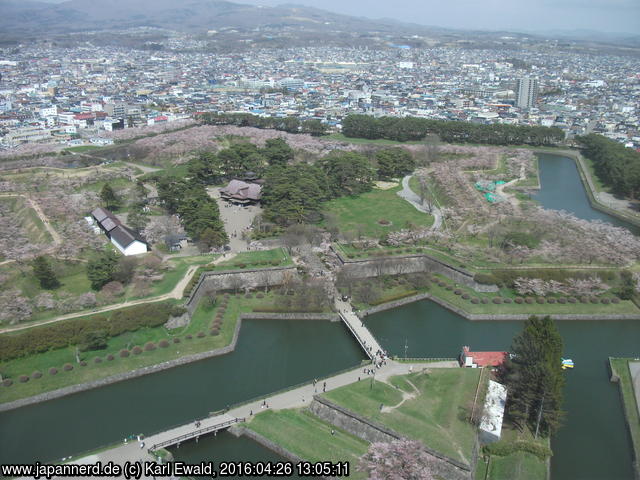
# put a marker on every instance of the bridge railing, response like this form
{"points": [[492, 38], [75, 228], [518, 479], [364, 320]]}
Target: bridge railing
{"points": [[196, 433], [358, 337]]}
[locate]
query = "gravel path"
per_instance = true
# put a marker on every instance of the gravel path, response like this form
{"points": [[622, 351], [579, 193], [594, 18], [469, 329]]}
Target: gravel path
{"points": [[411, 197]]}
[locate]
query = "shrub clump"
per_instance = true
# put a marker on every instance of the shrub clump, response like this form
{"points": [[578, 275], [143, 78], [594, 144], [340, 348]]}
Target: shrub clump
{"points": [[594, 300], [136, 350], [475, 300], [53, 371], [214, 331], [36, 374], [259, 295], [529, 300], [176, 340], [562, 300], [615, 300], [572, 300], [67, 367], [508, 300], [200, 334], [457, 291], [149, 346], [551, 300], [23, 378], [163, 344], [485, 301], [97, 360], [110, 358], [124, 353], [83, 363], [519, 300], [540, 300], [497, 300], [248, 295], [188, 336], [7, 382], [605, 301], [466, 296]]}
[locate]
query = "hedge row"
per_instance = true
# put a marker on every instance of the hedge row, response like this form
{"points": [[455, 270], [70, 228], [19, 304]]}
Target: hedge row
{"points": [[75, 331], [392, 298], [503, 449], [507, 277], [287, 310]]}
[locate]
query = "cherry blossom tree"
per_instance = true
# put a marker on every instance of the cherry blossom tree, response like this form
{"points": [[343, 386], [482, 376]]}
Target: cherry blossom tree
{"points": [[398, 460]]}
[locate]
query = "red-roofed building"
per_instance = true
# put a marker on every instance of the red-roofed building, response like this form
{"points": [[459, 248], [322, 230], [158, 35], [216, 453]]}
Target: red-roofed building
{"points": [[481, 359]]}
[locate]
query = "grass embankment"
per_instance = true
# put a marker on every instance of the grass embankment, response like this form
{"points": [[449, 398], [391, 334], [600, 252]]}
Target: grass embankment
{"points": [[82, 148], [365, 141], [28, 219], [361, 215], [620, 367], [305, 435], [193, 338], [434, 411], [624, 307], [520, 465]]}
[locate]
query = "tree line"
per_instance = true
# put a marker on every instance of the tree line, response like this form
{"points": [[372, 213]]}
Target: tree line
{"points": [[286, 124], [616, 165], [414, 129], [197, 211]]}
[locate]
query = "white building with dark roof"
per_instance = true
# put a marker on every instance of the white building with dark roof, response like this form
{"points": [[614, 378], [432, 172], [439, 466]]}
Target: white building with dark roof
{"points": [[122, 237]]}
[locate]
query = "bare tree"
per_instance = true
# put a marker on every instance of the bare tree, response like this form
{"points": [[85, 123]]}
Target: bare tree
{"points": [[398, 459]]}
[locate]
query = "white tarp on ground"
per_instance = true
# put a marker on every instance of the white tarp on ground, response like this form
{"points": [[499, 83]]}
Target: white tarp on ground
{"points": [[491, 423]]}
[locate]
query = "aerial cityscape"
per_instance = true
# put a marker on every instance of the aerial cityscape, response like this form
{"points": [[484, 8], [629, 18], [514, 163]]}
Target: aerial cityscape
{"points": [[329, 240]]}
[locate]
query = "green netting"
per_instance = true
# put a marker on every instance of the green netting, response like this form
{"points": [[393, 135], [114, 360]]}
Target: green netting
{"points": [[493, 198], [485, 186]]}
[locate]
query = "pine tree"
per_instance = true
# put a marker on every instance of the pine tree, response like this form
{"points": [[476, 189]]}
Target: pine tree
{"points": [[44, 273], [109, 197], [534, 377]]}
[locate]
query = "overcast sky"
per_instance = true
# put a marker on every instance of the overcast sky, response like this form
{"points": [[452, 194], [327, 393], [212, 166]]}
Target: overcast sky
{"points": [[616, 16], [517, 15]]}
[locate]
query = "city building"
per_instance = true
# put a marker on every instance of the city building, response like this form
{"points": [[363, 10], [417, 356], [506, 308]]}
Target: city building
{"points": [[526, 92]]}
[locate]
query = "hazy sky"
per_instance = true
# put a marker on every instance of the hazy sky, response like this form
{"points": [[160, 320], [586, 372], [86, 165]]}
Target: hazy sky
{"points": [[517, 15], [615, 16]]}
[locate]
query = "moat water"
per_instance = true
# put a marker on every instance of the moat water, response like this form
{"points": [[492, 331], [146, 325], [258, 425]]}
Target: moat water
{"points": [[593, 444]]}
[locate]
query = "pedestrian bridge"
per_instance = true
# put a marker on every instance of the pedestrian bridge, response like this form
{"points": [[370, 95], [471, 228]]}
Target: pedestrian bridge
{"points": [[357, 328], [177, 435]]}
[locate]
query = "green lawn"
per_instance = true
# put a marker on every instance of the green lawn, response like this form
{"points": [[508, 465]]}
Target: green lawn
{"points": [[381, 141], [82, 148], [305, 435], [436, 415], [257, 258], [360, 214], [518, 465], [620, 366]]}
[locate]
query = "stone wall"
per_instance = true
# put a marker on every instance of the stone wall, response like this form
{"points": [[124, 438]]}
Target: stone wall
{"points": [[402, 264], [230, 279], [372, 432]]}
